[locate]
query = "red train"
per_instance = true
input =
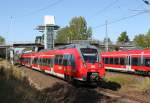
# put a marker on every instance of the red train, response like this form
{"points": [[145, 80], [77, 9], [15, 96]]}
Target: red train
{"points": [[137, 61], [72, 62]]}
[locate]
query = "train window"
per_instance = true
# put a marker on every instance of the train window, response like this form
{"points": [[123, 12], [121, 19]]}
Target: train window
{"points": [[60, 59], [122, 61], [68, 60], [116, 60], [111, 61], [40, 61], [147, 62], [106, 61], [44, 62], [134, 61], [56, 59], [28, 60], [36, 60], [90, 55], [47, 62], [72, 60], [65, 60], [51, 62]]}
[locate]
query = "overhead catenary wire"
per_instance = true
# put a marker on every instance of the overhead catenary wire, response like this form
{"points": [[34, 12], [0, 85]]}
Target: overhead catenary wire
{"points": [[105, 8], [39, 10], [123, 18]]}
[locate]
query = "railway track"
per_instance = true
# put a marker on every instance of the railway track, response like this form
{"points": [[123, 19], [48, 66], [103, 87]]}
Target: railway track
{"points": [[121, 98]]}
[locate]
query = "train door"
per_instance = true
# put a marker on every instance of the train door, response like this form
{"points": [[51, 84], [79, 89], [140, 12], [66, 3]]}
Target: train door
{"points": [[128, 63], [58, 64], [69, 65], [51, 62]]}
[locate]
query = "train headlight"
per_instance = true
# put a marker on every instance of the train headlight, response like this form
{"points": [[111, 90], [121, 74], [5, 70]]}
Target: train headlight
{"points": [[93, 66]]}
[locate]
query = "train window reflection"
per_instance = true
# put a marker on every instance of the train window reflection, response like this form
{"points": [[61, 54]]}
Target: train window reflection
{"points": [[90, 55], [122, 61], [147, 62], [116, 60], [135, 61]]}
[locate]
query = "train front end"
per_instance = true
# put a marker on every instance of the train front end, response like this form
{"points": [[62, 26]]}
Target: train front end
{"points": [[91, 67]]}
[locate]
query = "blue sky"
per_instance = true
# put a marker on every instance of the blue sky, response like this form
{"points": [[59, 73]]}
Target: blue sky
{"points": [[19, 18]]}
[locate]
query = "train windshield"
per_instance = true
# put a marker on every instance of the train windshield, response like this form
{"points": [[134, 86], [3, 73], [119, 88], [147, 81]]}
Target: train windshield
{"points": [[90, 55]]}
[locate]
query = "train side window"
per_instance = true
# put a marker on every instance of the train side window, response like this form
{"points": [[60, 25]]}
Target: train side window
{"points": [[106, 61], [147, 62], [43, 61], [116, 60], [36, 60], [72, 60], [33, 62], [65, 60], [51, 62], [40, 61], [134, 61], [122, 61], [60, 59], [69, 60], [56, 59], [47, 61], [111, 61]]}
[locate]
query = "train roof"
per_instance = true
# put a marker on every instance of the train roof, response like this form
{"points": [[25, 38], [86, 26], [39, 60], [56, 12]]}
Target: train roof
{"points": [[71, 46], [76, 46], [133, 52]]}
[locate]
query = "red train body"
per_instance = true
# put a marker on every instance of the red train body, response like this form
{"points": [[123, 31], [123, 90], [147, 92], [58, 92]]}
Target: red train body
{"points": [[131, 60], [72, 62]]}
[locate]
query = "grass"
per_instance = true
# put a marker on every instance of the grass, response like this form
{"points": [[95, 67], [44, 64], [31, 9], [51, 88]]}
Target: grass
{"points": [[14, 86], [130, 82], [123, 80], [143, 84]]}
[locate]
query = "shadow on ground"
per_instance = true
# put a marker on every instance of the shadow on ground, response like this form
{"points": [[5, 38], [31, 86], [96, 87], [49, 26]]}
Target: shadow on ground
{"points": [[102, 84], [62, 93], [109, 85]]}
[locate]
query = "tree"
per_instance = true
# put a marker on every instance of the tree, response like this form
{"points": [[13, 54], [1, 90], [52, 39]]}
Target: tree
{"points": [[2, 40], [63, 35], [147, 39], [77, 30], [140, 41], [123, 38]]}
